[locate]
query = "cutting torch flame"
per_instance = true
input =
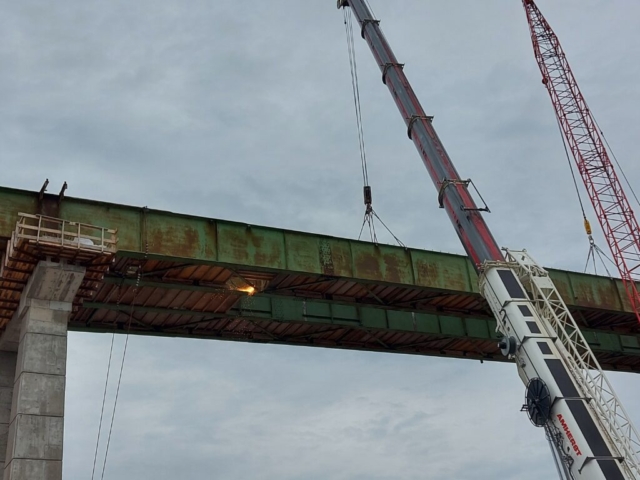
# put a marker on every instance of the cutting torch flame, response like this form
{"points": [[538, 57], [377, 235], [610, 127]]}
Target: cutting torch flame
{"points": [[248, 290]]}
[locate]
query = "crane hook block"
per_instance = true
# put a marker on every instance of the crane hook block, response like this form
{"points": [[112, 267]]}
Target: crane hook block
{"points": [[368, 198], [343, 3]]}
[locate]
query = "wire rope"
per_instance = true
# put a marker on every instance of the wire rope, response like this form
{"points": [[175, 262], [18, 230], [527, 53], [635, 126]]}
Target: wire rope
{"points": [[124, 354], [593, 248], [104, 397], [348, 22], [369, 213]]}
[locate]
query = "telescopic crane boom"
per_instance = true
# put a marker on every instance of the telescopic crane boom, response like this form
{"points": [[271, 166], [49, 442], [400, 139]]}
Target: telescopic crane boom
{"points": [[567, 392], [582, 133]]}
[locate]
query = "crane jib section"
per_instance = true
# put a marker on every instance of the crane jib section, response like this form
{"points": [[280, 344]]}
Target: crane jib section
{"points": [[454, 194], [579, 127]]}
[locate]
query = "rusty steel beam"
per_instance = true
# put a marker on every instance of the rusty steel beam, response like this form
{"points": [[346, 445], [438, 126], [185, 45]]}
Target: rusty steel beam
{"points": [[146, 233]]}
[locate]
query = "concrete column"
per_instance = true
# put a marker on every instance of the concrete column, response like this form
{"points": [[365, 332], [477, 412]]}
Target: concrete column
{"points": [[34, 444], [7, 377]]}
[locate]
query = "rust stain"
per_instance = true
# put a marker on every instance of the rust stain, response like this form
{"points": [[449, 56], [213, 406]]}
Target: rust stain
{"points": [[341, 258], [237, 243], [455, 279], [367, 266], [326, 258], [256, 241], [266, 250], [182, 241], [211, 241], [268, 258], [393, 269], [585, 295], [191, 243], [428, 273], [596, 293]]}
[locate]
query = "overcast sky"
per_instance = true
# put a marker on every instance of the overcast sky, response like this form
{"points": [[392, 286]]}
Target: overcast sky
{"points": [[243, 111]]}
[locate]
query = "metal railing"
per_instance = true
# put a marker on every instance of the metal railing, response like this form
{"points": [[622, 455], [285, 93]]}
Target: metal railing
{"points": [[56, 232]]}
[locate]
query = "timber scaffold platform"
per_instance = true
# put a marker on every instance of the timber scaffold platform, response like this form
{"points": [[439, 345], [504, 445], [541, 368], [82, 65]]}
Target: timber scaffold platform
{"points": [[39, 237]]}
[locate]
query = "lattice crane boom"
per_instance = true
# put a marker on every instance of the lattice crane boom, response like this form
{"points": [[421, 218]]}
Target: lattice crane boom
{"points": [[582, 134]]}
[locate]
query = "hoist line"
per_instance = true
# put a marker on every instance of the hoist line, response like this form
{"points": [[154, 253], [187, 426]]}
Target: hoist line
{"points": [[573, 174], [356, 92], [355, 86]]}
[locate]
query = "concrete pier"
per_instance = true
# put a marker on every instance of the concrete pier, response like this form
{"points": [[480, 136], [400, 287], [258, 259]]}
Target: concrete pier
{"points": [[7, 378], [34, 377]]}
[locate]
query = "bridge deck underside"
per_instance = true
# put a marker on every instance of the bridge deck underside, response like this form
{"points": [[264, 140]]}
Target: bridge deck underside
{"points": [[156, 297]]}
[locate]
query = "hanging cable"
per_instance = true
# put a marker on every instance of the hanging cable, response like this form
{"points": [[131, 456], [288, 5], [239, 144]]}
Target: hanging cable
{"points": [[356, 92], [593, 248], [104, 397], [369, 213], [573, 174], [115, 403], [124, 354]]}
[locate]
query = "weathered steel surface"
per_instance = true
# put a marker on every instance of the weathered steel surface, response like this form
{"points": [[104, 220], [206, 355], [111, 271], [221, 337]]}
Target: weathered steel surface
{"points": [[173, 236]]}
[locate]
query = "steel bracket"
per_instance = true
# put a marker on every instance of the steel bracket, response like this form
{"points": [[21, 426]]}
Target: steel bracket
{"points": [[456, 181], [413, 120], [366, 22], [386, 68]]}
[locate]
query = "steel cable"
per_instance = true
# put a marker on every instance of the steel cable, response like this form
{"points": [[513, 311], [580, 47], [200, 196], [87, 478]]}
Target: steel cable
{"points": [[104, 397], [356, 92], [353, 67], [124, 354], [593, 248]]}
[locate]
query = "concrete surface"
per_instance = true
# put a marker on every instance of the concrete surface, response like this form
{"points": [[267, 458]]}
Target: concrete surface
{"points": [[32, 427]]}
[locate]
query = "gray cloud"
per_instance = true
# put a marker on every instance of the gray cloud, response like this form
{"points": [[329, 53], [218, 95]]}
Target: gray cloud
{"points": [[243, 110]]}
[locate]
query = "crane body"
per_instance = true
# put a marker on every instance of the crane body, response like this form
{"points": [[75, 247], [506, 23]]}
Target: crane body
{"points": [[566, 390]]}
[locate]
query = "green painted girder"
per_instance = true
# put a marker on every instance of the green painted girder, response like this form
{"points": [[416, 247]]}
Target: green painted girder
{"points": [[170, 236], [277, 308], [371, 319]]}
